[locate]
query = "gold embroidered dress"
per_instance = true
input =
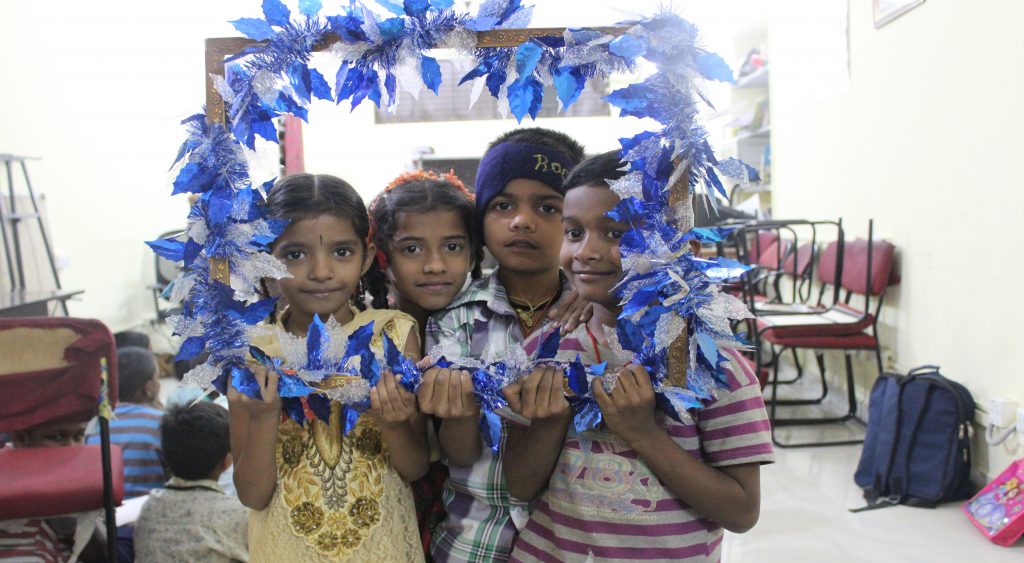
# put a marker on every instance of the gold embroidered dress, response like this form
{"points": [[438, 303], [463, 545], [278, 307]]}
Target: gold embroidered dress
{"points": [[337, 498]]}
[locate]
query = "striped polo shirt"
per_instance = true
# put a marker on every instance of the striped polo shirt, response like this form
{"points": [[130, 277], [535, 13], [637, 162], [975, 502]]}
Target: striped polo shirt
{"points": [[603, 503], [137, 431]]}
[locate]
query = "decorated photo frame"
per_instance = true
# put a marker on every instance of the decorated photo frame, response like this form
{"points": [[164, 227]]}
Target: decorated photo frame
{"points": [[675, 319]]}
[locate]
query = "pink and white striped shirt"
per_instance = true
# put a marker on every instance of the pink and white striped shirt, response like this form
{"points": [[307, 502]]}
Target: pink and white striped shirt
{"points": [[603, 503]]}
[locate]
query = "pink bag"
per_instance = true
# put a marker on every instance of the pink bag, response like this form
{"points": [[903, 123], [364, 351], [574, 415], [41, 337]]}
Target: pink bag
{"points": [[998, 510]]}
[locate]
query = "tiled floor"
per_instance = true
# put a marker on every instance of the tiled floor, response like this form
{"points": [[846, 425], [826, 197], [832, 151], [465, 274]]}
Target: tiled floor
{"points": [[805, 497]]}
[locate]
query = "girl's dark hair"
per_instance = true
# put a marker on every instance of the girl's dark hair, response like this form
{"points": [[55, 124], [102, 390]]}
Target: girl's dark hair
{"points": [[416, 192], [303, 196], [597, 170]]}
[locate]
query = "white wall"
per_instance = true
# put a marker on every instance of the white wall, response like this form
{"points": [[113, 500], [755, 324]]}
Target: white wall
{"points": [[927, 142]]}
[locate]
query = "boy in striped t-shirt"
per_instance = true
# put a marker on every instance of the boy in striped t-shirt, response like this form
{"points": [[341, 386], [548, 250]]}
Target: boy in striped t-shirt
{"points": [[644, 487], [136, 428]]}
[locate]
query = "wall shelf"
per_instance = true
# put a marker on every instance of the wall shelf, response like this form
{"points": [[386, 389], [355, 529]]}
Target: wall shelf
{"points": [[756, 79]]}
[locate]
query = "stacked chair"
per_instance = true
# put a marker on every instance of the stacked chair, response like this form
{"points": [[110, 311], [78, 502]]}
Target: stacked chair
{"points": [[58, 369]]}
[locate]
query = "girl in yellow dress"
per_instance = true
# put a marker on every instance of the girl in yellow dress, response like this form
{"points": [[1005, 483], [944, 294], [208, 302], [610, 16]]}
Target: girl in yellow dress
{"points": [[316, 494]]}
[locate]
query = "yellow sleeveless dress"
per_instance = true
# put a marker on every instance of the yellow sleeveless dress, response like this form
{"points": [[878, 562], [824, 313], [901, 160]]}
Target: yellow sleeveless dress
{"points": [[337, 498]]}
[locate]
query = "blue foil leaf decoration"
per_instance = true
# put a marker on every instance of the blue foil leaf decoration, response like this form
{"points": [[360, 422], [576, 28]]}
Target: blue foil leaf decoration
{"points": [[349, 27], [527, 56], [310, 8], [490, 428], [320, 405], [627, 46], [569, 84], [416, 8], [314, 344], [321, 89], [351, 418], [276, 13], [289, 386], [525, 97], [258, 311], [714, 67], [285, 104], [191, 347], [293, 408], [404, 369], [254, 28], [442, 4], [172, 249], [482, 23], [548, 348], [391, 29], [298, 77], [392, 7], [245, 383], [431, 72], [339, 82]]}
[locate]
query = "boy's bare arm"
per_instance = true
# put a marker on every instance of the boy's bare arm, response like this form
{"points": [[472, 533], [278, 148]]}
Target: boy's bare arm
{"points": [[730, 495], [253, 424], [532, 451]]}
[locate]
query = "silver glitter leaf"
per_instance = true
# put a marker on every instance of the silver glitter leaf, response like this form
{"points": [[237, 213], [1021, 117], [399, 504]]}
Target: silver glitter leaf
{"points": [[668, 329], [630, 185], [202, 375]]}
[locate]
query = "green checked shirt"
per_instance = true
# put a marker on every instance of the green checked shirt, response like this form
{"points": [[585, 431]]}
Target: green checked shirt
{"points": [[482, 520]]}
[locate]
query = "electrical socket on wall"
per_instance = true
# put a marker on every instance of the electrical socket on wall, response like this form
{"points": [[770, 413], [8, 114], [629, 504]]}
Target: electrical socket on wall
{"points": [[1003, 412]]}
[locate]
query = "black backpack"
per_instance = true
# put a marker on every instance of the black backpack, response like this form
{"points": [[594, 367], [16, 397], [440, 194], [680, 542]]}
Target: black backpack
{"points": [[918, 445]]}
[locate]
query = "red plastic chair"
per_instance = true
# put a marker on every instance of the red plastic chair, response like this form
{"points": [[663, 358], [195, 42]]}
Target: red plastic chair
{"points": [[866, 270], [58, 369]]}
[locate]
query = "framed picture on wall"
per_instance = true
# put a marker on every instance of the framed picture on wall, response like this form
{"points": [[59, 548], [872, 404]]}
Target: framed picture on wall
{"points": [[888, 10]]}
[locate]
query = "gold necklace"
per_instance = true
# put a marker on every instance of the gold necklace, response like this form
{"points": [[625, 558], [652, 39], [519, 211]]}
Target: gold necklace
{"points": [[525, 314]]}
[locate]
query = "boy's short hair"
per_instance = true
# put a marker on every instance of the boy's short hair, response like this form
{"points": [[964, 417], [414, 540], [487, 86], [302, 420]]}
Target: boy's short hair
{"points": [[135, 367], [195, 439], [133, 338], [597, 170]]}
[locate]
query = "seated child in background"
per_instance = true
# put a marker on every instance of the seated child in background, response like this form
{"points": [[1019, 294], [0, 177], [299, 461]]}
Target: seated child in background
{"points": [[643, 486], [137, 426], [191, 518], [518, 213], [132, 338], [50, 539]]}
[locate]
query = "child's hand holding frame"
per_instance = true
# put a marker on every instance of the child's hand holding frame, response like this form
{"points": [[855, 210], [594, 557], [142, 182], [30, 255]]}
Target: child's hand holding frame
{"points": [[269, 407], [390, 403], [541, 395], [628, 409], [448, 393]]}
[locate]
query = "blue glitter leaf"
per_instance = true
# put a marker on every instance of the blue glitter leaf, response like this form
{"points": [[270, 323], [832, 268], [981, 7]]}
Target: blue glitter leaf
{"points": [[527, 56], [548, 348], [276, 13], [431, 72], [442, 4], [481, 23], [392, 7], [627, 46], [172, 249], [569, 84], [310, 8], [321, 89], [416, 8], [314, 344], [299, 78], [713, 67], [254, 28], [191, 347], [349, 27]]}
